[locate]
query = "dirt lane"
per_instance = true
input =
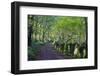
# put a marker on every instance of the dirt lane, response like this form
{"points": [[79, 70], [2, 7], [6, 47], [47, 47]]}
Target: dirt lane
{"points": [[47, 52]]}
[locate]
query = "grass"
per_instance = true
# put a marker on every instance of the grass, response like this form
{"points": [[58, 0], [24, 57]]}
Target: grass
{"points": [[34, 49]]}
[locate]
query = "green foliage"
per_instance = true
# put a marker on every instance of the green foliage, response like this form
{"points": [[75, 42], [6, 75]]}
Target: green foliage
{"points": [[70, 26], [32, 53]]}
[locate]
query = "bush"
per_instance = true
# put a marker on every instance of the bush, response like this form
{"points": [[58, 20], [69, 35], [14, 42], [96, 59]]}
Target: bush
{"points": [[32, 53]]}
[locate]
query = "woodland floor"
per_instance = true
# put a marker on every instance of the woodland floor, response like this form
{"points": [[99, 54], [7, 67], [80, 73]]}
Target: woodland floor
{"points": [[47, 52]]}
